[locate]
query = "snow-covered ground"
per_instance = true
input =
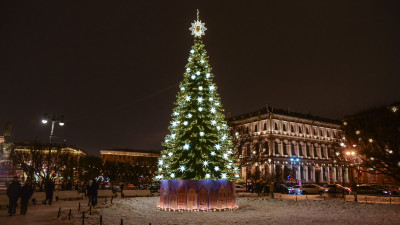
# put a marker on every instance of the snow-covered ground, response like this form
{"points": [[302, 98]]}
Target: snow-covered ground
{"points": [[253, 210]]}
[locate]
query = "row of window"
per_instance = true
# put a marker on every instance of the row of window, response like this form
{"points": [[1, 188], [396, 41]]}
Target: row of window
{"points": [[297, 128], [284, 149]]}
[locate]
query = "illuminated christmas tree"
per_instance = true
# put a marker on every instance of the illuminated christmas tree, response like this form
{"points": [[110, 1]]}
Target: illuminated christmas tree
{"points": [[199, 146]]}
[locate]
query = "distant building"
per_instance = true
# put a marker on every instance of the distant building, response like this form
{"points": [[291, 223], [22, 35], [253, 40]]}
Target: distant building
{"points": [[143, 158], [298, 147]]}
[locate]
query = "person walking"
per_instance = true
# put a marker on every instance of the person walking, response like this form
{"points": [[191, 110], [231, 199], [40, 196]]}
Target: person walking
{"points": [[13, 195], [89, 192], [25, 193], [94, 189], [354, 190], [49, 187], [271, 189], [122, 190]]}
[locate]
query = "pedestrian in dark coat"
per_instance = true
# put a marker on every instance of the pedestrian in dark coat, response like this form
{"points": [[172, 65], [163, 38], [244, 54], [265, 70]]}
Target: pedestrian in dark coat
{"points": [[49, 187], [89, 192], [25, 193], [13, 195], [94, 188], [271, 189]]}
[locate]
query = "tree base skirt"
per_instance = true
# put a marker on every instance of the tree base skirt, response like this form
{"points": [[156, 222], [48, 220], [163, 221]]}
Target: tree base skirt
{"points": [[197, 195]]}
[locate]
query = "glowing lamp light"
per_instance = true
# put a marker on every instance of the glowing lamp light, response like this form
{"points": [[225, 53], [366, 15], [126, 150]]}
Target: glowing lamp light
{"points": [[170, 154], [201, 133], [348, 153], [210, 99], [172, 175], [208, 176], [61, 123], [186, 147], [223, 176], [216, 168], [342, 144], [212, 153], [44, 121], [213, 110], [205, 163], [182, 88], [291, 159], [192, 51], [223, 137], [225, 156], [160, 162], [218, 146], [189, 115], [200, 109], [297, 159], [185, 123], [200, 88], [187, 98], [370, 140], [208, 75], [200, 99], [188, 69], [213, 122], [173, 135], [182, 168], [198, 73], [176, 113], [212, 87], [193, 77], [236, 175], [202, 61]]}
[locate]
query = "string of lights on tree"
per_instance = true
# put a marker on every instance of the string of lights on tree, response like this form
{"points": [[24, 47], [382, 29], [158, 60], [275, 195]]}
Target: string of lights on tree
{"points": [[199, 146]]}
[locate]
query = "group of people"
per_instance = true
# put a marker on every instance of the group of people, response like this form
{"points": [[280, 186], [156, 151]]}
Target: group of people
{"points": [[92, 190], [15, 191]]}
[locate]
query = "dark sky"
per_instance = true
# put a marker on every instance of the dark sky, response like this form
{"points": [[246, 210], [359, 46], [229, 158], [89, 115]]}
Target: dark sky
{"points": [[110, 66]]}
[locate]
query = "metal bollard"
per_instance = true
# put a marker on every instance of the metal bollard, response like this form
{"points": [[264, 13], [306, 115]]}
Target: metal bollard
{"points": [[90, 210], [79, 207], [112, 199], [296, 198], [101, 219], [390, 200], [366, 199], [59, 212], [105, 200], [83, 218], [69, 215], [122, 222]]}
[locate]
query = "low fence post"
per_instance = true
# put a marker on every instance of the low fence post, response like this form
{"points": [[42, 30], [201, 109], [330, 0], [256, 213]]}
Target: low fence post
{"points": [[366, 199], [59, 212], [79, 207], [296, 198], [69, 215], [83, 218], [105, 200], [112, 199], [101, 219], [390, 200], [90, 210], [122, 222]]}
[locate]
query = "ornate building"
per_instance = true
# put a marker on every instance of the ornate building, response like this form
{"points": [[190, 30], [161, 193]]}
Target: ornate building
{"points": [[297, 147]]}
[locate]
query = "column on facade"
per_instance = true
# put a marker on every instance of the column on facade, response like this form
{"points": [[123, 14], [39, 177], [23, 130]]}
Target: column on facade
{"points": [[306, 168], [313, 174], [282, 171], [328, 177], [346, 175], [334, 175], [321, 175], [340, 174], [299, 173]]}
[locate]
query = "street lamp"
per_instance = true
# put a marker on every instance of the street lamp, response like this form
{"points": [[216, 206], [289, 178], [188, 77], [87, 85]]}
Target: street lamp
{"points": [[54, 120]]}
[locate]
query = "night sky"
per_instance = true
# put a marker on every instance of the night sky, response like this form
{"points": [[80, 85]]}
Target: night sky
{"points": [[112, 67]]}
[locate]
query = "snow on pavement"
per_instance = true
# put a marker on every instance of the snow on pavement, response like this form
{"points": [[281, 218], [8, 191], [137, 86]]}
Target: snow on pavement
{"points": [[252, 211]]}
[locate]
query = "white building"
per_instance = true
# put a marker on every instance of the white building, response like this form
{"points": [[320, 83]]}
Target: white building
{"points": [[298, 147]]}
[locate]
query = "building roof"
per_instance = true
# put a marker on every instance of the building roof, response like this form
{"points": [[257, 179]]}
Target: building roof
{"points": [[130, 150], [269, 109]]}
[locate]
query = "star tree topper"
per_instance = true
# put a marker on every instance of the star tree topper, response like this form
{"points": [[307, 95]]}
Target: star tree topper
{"points": [[198, 27]]}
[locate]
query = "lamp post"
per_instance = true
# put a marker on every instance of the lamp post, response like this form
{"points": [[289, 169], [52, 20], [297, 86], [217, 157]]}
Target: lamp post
{"points": [[54, 119]]}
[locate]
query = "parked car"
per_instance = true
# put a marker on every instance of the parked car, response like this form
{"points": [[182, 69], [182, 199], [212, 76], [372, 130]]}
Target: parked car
{"points": [[394, 190], [281, 188], [297, 190], [337, 189], [240, 188], [367, 189], [312, 189]]}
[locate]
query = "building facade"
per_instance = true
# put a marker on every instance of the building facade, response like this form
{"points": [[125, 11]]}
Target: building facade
{"points": [[146, 159], [297, 147]]}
